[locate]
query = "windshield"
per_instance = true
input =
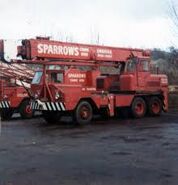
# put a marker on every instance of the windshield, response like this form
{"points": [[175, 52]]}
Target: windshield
{"points": [[37, 77]]}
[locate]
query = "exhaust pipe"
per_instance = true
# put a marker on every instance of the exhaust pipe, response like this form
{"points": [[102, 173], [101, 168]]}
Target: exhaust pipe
{"points": [[2, 58], [1, 50]]}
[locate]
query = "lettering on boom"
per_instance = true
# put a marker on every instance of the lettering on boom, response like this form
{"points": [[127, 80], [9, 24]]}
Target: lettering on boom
{"points": [[58, 50], [104, 53], [76, 51]]}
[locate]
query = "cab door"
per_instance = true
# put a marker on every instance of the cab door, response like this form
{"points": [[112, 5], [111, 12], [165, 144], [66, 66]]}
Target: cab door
{"points": [[143, 72]]}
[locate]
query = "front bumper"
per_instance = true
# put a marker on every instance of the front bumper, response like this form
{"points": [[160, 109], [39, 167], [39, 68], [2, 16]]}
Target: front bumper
{"points": [[4, 104], [47, 106]]}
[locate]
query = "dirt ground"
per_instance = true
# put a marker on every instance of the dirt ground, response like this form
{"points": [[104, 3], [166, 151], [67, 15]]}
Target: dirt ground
{"points": [[114, 152]]}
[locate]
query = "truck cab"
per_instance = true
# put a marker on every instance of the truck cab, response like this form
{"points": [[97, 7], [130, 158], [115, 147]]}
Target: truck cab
{"points": [[58, 88], [137, 77], [14, 98], [134, 76]]}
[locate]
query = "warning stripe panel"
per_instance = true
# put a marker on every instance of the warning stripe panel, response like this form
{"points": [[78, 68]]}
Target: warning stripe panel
{"points": [[49, 106], [4, 105]]}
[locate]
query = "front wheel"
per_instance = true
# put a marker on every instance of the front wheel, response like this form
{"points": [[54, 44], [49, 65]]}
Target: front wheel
{"points": [[25, 110], [83, 113], [138, 107]]}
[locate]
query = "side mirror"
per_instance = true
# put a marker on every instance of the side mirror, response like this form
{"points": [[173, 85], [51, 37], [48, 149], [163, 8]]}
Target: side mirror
{"points": [[157, 70]]}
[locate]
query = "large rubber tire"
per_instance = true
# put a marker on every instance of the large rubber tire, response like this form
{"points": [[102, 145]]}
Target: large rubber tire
{"points": [[138, 107], [155, 106], [51, 117], [25, 110], [6, 114], [83, 113]]}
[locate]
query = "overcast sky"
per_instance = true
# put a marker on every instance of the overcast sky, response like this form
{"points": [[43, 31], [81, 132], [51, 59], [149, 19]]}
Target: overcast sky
{"points": [[128, 23]]}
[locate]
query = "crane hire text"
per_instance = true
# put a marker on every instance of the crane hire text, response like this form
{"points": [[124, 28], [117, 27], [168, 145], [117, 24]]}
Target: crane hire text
{"points": [[58, 50]]}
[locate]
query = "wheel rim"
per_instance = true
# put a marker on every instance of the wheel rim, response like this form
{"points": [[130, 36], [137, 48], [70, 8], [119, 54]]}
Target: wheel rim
{"points": [[155, 107], [139, 108], [85, 113], [28, 109]]}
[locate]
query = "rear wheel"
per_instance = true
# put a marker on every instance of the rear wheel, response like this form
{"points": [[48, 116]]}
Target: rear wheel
{"points": [[52, 117], [138, 107], [83, 113], [6, 114], [25, 110], [155, 106]]}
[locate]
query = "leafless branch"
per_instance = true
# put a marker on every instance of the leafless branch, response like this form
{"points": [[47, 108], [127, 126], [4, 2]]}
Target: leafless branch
{"points": [[174, 12]]}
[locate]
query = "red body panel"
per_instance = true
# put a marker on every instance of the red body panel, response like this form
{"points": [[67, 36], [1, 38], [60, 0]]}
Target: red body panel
{"points": [[14, 95], [123, 100]]}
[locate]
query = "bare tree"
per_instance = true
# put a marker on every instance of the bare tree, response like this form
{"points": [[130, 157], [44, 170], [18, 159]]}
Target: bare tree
{"points": [[174, 12], [94, 36]]}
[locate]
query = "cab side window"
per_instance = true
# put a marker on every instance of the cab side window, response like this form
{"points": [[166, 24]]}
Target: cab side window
{"points": [[144, 66], [131, 66], [57, 77]]}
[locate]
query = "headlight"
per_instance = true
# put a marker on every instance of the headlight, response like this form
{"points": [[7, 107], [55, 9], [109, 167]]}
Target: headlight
{"points": [[5, 97], [36, 96], [57, 96]]}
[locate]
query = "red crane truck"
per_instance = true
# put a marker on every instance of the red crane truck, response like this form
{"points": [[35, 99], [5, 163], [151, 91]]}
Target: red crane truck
{"points": [[134, 87], [15, 79]]}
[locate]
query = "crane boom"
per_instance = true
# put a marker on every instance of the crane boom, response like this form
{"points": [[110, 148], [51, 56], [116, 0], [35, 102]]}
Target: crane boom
{"points": [[16, 71], [41, 48]]}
